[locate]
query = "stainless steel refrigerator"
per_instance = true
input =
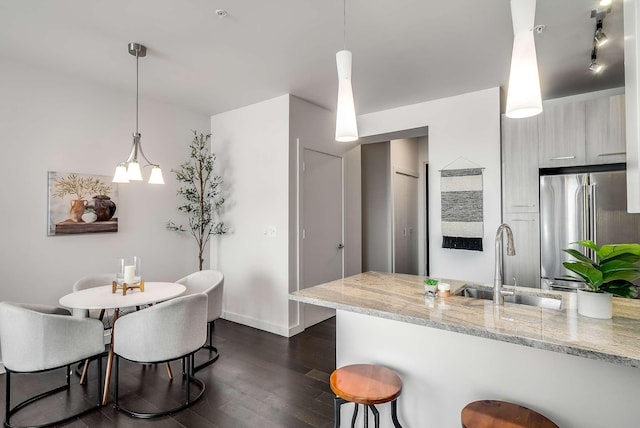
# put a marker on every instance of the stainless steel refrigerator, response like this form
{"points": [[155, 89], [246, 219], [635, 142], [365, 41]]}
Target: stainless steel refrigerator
{"points": [[581, 203]]}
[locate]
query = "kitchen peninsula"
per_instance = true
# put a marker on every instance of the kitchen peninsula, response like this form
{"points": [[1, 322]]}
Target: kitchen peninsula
{"points": [[451, 351]]}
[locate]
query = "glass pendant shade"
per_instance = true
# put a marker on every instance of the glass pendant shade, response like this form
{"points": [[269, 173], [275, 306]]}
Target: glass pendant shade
{"points": [[346, 126], [524, 98], [121, 174], [133, 171], [156, 176]]}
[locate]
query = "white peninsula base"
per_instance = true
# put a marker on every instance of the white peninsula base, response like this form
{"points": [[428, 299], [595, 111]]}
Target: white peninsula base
{"points": [[442, 371]]}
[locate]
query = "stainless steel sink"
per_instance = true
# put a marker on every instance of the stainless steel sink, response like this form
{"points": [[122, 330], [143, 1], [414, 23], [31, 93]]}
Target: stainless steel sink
{"points": [[530, 299]]}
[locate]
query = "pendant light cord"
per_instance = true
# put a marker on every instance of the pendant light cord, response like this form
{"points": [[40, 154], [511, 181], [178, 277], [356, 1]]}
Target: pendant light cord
{"points": [[137, 91], [344, 24]]}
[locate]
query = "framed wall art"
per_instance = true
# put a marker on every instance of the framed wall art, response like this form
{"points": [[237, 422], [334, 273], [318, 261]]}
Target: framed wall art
{"points": [[81, 203]]}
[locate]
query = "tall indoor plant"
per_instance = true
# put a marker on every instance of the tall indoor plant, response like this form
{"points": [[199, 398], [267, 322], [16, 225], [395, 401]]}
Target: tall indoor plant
{"points": [[611, 273], [201, 191]]}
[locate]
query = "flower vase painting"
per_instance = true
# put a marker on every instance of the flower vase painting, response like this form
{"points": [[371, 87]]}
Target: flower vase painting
{"points": [[81, 203]]}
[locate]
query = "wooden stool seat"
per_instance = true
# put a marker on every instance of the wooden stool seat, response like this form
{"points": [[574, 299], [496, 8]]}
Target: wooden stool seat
{"points": [[366, 384], [501, 414]]}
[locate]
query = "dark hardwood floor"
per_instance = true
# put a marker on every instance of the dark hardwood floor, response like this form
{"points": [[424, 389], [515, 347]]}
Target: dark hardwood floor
{"points": [[261, 380]]}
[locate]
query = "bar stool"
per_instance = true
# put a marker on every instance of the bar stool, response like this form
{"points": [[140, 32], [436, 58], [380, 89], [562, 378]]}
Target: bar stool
{"points": [[365, 384], [501, 414]]}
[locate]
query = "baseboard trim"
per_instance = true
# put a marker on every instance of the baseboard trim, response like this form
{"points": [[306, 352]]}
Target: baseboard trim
{"points": [[2, 370], [256, 323]]}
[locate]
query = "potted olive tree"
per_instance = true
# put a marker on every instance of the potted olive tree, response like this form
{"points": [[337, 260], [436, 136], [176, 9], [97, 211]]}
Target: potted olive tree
{"points": [[611, 274], [201, 192]]}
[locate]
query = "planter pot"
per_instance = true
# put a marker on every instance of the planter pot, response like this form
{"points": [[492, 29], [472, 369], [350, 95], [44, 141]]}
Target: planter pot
{"points": [[595, 305], [105, 208], [77, 209]]}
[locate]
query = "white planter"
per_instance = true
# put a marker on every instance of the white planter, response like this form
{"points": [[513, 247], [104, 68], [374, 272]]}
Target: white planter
{"points": [[595, 305]]}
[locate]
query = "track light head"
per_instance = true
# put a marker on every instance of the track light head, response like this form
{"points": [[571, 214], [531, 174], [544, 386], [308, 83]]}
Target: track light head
{"points": [[599, 37]]}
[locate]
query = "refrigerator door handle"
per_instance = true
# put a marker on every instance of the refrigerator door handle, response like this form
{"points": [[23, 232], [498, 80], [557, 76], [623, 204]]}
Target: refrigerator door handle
{"points": [[586, 225]]}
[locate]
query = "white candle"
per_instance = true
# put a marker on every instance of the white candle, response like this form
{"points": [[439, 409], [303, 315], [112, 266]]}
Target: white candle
{"points": [[129, 274]]}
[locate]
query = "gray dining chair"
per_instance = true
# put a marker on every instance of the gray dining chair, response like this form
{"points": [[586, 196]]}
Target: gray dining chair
{"points": [[92, 281], [165, 332], [38, 338], [211, 283]]}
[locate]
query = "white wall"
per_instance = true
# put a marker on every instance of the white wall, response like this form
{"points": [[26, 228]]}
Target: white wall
{"points": [[376, 207], [259, 146], [56, 123], [252, 145], [404, 155], [469, 126]]}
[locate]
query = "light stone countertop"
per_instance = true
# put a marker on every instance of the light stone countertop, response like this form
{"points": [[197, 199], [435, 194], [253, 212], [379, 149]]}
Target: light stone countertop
{"points": [[401, 297]]}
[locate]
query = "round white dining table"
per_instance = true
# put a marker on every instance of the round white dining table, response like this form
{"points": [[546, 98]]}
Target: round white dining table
{"points": [[103, 298]]}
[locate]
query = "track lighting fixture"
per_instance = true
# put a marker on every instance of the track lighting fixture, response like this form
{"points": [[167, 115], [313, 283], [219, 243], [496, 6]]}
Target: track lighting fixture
{"points": [[594, 66], [599, 38]]}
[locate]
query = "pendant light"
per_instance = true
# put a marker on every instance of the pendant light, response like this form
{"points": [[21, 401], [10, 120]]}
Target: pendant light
{"points": [[523, 98], [129, 170], [346, 126]]}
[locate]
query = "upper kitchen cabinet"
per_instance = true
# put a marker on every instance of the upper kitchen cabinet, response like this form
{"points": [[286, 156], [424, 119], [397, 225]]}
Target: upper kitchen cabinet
{"points": [[605, 136], [561, 130], [520, 164]]}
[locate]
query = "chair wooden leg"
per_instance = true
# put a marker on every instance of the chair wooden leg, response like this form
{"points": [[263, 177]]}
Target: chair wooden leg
{"points": [[169, 372], [83, 376]]}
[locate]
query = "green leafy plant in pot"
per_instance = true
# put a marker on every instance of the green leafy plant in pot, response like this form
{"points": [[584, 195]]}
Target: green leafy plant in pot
{"points": [[613, 271]]}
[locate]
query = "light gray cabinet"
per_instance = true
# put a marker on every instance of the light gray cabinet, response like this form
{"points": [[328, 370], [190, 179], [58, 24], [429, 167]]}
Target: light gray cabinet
{"points": [[520, 164], [521, 190], [561, 130], [523, 269], [605, 130]]}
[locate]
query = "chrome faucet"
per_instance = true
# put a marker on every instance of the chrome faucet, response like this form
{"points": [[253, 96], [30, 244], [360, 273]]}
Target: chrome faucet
{"points": [[498, 297]]}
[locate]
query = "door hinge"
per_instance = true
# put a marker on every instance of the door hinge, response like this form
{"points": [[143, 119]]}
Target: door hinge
{"points": [[304, 234]]}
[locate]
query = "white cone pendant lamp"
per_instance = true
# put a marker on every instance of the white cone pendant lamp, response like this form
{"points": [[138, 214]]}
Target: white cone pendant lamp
{"points": [[129, 170], [523, 98], [346, 126]]}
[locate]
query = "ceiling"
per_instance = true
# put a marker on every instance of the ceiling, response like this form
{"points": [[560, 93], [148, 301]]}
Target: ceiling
{"points": [[404, 51]]}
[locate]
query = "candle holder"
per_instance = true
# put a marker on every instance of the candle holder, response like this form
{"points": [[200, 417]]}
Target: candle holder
{"points": [[128, 276]]}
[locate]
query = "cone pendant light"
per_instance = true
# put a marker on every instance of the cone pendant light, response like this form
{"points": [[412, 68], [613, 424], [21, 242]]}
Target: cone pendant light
{"points": [[523, 98], [346, 126]]}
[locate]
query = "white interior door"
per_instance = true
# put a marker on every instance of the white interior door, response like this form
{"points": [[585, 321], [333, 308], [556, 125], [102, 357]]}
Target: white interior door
{"points": [[322, 238], [405, 218]]}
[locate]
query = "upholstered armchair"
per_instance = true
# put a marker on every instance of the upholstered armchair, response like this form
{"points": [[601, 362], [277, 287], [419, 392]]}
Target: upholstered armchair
{"points": [[211, 283], [168, 331], [37, 338]]}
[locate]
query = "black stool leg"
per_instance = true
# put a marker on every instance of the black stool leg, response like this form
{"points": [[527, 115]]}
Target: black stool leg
{"points": [[376, 415], [366, 416], [337, 402], [355, 415], [394, 414]]}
